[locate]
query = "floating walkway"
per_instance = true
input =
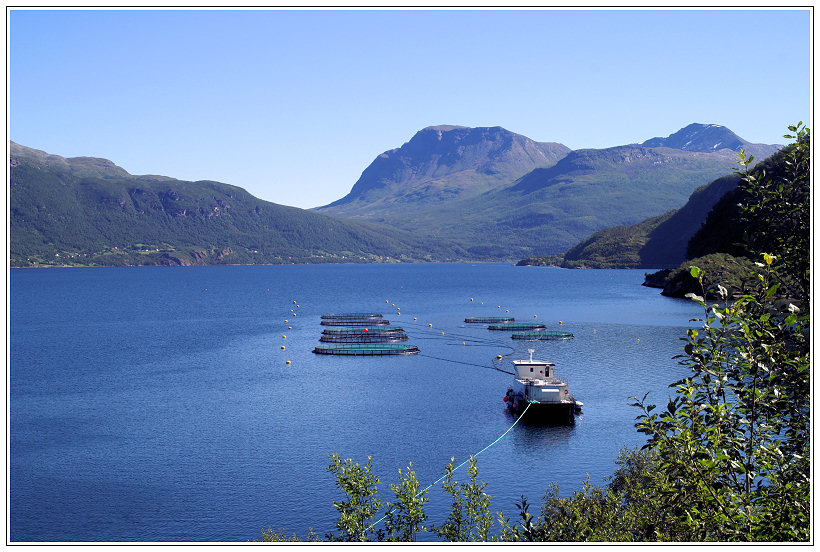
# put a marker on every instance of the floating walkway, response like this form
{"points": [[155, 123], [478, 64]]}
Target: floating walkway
{"points": [[542, 335], [489, 319], [374, 349], [518, 326]]}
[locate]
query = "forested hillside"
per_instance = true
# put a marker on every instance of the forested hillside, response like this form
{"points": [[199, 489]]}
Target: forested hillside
{"points": [[86, 211]]}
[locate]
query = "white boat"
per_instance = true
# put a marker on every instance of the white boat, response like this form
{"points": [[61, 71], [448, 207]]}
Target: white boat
{"points": [[548, 396]]}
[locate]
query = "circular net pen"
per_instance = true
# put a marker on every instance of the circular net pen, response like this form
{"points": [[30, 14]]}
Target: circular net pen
{"points": [[354, 322], [364, 338], [380, 330], [518, 326], [376, 349], [542, 336], [489, 319], [352, 316]]}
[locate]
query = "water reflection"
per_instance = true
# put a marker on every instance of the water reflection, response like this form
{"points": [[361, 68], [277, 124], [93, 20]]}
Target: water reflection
{"points": [[535, 434]]}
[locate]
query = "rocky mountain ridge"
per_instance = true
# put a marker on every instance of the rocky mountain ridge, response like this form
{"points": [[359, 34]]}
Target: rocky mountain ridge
{"points": [[437, 184]]}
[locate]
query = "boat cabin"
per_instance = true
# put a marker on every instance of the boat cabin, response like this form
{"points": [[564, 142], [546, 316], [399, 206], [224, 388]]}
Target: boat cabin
{"points": [[534, 369]]}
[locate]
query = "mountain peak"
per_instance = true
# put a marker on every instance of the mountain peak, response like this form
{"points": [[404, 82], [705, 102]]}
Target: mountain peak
{"points": [[700, 137], [445, 162], [444, 128], [80, 166]]}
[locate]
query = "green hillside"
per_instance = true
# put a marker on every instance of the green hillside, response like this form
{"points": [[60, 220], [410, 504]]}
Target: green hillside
{"points": [[706, 224], [711, 231], [657, 242], [550, 210], [86, 211]]}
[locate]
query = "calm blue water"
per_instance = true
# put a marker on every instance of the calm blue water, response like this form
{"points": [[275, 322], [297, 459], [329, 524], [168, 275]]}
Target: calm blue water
{"points": [[155, 404]]}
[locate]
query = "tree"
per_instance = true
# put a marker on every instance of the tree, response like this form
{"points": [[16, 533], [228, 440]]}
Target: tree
{"points": [[470, 517], [734, 441], [405, 516], [776, 213], [360, 487]]}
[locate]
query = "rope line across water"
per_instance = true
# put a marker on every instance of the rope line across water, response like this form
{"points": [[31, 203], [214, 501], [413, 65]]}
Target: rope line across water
{"points": [[467, 363], [529, 403]]}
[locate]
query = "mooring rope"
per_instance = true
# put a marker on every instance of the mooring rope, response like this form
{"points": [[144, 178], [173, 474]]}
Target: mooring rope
{"points": [[467, 363], [529, 403]]}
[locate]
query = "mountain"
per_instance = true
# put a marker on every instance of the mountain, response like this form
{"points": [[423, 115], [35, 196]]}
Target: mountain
{"points": [[89, 211], [442, 163], [433, 186], [707, 138]]}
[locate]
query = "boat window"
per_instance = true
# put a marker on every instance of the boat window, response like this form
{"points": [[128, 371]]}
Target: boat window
{"points": [[531, 369]]}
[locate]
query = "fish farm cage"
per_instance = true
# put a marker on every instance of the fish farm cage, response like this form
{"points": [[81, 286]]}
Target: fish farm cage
{"points": [[364, 338], [381, 330], [354, 322], [518, 326], [375, 349], [541, 335], [489, 319], [352, 316]]}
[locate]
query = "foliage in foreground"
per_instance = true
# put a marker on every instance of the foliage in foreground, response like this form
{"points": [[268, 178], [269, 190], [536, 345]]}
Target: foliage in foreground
{"points": [[728, 459]]}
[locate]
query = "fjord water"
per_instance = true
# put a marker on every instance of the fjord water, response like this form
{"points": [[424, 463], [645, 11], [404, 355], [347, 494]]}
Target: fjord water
{"points": [[156, 404]]}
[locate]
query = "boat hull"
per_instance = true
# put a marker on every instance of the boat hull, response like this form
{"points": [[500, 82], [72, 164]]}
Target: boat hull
{"points": [[552, 412]]}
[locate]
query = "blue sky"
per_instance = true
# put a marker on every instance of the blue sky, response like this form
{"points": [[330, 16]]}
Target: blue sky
{"points": [[293, 105]]}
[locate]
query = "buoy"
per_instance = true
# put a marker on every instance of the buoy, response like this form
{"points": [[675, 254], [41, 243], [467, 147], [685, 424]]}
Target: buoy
{"points": [[463, 342], [442, 333], [286, 321], [386, 301], [283, 347], [365, 330], [430, 325], [499, 357], [506, 399], [414, 318], [294, 302], [471, 298], [535, 316], [508, 310], [560, 323], [284, 337], [290, 328], [287, 362]]}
